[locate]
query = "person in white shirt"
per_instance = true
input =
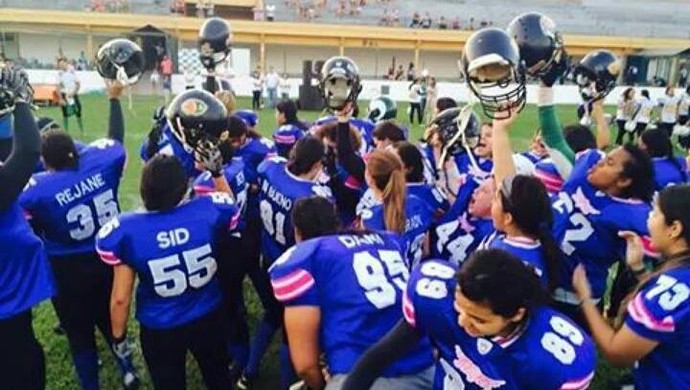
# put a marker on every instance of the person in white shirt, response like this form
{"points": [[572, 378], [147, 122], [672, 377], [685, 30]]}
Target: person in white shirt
{"points": [[257, 88], [669, 110], [415, 101], [683, 117], [284, 87], [625, 110], [69, 85], [645, 106], [272, 82]]}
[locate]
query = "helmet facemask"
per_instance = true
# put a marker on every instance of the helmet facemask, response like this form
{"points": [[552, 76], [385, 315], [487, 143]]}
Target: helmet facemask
{"points": [[338, 90], [498, 84]]}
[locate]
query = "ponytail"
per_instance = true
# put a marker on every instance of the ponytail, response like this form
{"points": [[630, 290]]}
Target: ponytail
{"points": [[388, 175], [308, 151], [552, 255]]}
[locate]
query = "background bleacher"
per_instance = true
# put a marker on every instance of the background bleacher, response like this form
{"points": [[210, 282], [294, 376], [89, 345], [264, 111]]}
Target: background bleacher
{"points": [[642, 18]]}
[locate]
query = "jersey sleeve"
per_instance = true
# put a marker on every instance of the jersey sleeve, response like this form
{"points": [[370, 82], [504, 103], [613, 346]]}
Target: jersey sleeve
{"points": [[110, 242], [113, 152], [30, 197], [583, 162], [203, 184], [293, 276], [430, 287], [227, 213], [656, 309]]}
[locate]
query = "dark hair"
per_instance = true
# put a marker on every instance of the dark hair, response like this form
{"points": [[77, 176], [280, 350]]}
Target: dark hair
{"points": [[639, 169], [315, 216], [645, 93], [164, 183], [445, 103], [626, 93], [412, 161], [658, 144], [387, 130], [308, 151], [329, 131], [579, 138], [58, 150], [289, 109], [674, 203], [528, 203], [502, 281], [236, 127]]}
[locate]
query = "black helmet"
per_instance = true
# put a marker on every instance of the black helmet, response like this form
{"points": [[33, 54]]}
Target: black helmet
{"points": [[214, 43], [541, 46], [382, 108], [493, 71], [596, 74], [196, 115], [339, 82], [459, 130], [120, 59]]}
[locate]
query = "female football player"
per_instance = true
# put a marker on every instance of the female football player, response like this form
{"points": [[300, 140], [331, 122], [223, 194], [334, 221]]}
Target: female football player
{"points": [[282, 183], [654, 333], [67, 205], [395, 210], [169, 248], [668, 169], [491, 326], [24, 268], [602, 195], [413, 161], [289, 130], [343, 292]]}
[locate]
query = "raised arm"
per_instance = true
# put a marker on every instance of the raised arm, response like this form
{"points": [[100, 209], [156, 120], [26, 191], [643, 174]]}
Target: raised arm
{"points": [[502, 151], [116, 122]]}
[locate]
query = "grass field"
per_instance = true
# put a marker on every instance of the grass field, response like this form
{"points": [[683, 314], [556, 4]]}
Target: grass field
{"points": [[60, 372]]}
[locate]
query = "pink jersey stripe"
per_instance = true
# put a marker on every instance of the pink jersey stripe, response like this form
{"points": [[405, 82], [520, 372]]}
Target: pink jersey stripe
{"points": [[579, 384], [292, 285], [638, 311]]}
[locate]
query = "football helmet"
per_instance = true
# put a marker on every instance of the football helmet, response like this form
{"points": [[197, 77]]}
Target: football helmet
{"points": [[596, 74], [195, 116], [214, 42], [14, 88], [382, 108], [120, 59], [541, 46], [339, 82], [494, 73], [459, 130]]}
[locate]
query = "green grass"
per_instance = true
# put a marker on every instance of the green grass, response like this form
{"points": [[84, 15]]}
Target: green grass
{"points": [[60, 372]]}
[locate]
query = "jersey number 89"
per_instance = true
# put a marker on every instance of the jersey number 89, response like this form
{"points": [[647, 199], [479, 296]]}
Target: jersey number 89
{"points": [[560, 343]]}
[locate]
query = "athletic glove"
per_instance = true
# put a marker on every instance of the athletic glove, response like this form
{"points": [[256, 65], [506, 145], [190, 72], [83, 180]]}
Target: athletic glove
{"points": [[209, 156], [14, 88], [123, 348], [559, 67]]}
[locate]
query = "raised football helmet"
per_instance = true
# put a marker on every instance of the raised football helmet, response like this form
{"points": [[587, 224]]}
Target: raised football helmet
{"points": [[596, 74], [382, 108], [339, 82], [120, 59], [459, 130], [14, 88], [494, 73], [541, 46], [214, 42], [195, 116]]}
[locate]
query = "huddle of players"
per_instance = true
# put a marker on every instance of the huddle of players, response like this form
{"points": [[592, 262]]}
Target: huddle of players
{"points": [[377, 280]]}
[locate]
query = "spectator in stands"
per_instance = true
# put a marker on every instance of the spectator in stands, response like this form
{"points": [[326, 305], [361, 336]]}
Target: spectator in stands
{"points": [[456, 23], [416, 20], [390, 75], [270, 12], [400, 73], [683, 77], [471, 26], [411, 72], [272, 83], [395, 17], [442, 23], [426, 22]]}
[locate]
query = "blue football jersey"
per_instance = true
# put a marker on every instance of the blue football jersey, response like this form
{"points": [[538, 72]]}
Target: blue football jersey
{"points": [[172, 254], [285, 137], [253, 152], [667, 174], [453, 239], [280, 189], [525, 249], [533, 157], [25, 274], [549, 352], [464, 164], [169, 145], [234, 175], [434, 196], [429, 161], [68, 207], [587, 223], [660, 311], [547, 173], [357, 280], [419, 218]]}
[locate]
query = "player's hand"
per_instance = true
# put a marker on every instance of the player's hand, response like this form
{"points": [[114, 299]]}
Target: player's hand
{"points": [[209, 157], [115, 89], [557, 70], [634, 251], [15, 87], [123, 348], [581, 283], [505, 118]]}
